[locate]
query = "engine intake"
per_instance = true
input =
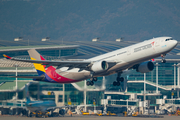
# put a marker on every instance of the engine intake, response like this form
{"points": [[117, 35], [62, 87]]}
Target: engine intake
{"points": [[99, 66], [145, 67]]}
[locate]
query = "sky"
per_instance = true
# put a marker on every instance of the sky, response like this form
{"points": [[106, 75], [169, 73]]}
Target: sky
{"points": [[83, 20]]}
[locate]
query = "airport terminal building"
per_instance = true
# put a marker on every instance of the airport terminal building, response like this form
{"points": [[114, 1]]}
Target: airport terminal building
{"points": [[161, 83]]}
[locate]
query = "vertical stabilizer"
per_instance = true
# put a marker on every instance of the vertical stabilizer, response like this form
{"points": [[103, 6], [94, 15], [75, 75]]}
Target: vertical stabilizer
{"points": [[27, 94], [34, 55]]}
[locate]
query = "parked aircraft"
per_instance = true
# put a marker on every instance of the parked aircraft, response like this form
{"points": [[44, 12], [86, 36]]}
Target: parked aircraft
{"points": [[42, 107], [136, 56]]}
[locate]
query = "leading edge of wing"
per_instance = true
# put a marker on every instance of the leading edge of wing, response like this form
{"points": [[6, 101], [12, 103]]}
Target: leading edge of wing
{"points": [[47, 62], [80, 64]]}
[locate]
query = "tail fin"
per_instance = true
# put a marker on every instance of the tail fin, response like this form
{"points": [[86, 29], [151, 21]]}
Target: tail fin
{"points": [[7, 57], [34, 55], [27, 94]]}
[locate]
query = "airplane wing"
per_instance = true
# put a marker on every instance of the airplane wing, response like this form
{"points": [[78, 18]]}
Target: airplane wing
{"points": [[78, 64], [72, 64]]}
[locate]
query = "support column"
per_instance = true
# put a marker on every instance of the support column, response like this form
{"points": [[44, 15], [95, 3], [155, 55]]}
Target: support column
{"points": [[178, 82], [63, 94], [157, 77], [144, 91], [174, 76], [16, 82], [38, 93], [103, 83], [144, 86], [85, 88], [127, 105]]}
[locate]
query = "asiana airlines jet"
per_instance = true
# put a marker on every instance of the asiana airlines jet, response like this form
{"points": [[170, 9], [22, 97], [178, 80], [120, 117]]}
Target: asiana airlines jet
{"points": [[136, 56]]}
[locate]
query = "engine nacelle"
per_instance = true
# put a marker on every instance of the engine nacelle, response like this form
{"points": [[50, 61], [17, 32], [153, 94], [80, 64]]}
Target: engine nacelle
{"points": [[99, 66], [145, 67]]}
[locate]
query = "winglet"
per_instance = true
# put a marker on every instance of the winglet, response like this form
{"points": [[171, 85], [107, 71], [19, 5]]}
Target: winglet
{"points": [[7, 57]]}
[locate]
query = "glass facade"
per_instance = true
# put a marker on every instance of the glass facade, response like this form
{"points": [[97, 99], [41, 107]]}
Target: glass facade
{"points": [[165, 74], [119, 102], [47, 97], [94, 97], [5, 75], [117, 97], [50, 86], [7, 95]]}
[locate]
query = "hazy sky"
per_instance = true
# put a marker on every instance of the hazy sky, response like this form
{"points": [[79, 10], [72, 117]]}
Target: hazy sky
{"points": [[86, 19]]}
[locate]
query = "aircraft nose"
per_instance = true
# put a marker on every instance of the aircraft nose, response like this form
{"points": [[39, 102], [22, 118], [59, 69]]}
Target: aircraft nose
{"points": [[175, 42]]}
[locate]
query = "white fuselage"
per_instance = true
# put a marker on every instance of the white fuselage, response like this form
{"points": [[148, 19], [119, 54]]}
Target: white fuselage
{"points": [[126, 57]]}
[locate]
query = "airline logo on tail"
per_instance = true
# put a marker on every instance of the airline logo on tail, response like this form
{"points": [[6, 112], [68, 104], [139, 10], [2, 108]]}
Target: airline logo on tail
{"points": [[39, 67], [7, 57], [34, 55]]}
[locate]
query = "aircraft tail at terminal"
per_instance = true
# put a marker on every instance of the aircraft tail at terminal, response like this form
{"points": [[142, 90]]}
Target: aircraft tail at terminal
{"points": [[7, 57], [27, 94], [34, 55]]}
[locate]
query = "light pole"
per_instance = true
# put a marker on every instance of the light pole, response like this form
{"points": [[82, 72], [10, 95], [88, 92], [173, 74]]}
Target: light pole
{"points": [[85, 90], [94, 102], [178, 65], [16, 65], [157, 77], [144, 90], [174, 75], [63, 94]]}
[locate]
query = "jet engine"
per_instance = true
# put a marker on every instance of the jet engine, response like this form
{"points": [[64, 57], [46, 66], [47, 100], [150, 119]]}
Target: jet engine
{"points": [[99, 66], [145, 67], [62, 112]]}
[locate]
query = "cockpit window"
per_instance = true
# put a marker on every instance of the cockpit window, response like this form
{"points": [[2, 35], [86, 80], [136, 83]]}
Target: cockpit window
{"points": [[169, 39]]}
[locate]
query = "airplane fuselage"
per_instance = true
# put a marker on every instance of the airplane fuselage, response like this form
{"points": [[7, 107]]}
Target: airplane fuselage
{"points": [[124, 58], [36, 106]]}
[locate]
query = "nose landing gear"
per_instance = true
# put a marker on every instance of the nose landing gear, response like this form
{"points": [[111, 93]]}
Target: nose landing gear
{"points": [[163, 58]]}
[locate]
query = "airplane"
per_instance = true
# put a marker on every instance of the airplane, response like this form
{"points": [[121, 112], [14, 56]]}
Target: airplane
{"points": [[41, 106], [136, 57]]}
